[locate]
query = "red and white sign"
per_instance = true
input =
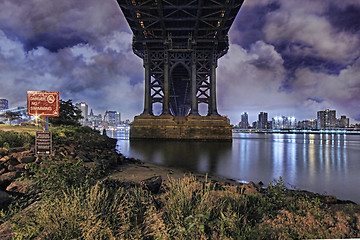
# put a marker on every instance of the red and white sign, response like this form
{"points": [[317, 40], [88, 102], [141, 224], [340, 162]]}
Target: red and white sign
{"points": [[42, 103]]}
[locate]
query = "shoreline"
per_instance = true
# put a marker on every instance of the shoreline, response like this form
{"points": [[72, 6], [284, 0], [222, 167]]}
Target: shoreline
{"points": [[84, 153], [136, 171]]}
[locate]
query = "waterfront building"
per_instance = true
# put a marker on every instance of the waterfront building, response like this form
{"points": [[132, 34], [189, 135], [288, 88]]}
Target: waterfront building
{"points": [[94, 120], [308, 124], [112, 118], [283, 122], [4, 104], [326, 119], [244, 124], [84, 112], [343, 122], [263, 121]]}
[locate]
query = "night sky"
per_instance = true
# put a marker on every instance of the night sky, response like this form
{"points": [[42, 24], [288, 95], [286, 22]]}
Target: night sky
{"points": [[286, 57]]}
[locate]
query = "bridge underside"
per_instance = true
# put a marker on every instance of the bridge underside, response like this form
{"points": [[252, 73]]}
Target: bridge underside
{"points": [[180, 42]]}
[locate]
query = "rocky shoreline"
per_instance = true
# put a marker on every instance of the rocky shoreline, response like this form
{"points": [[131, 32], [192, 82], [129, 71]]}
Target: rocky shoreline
{"points": [[98, 153]]}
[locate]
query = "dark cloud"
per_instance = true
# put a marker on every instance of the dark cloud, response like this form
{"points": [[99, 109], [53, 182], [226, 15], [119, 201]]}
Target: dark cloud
{"points": [[344, 19], [286, 57], [250, 22], [53, 41]]}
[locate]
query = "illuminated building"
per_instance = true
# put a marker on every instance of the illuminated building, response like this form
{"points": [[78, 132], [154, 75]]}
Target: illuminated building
{"points": [[326, 119], [244, 124], [263, 121], [284, 122], [4, 104]]}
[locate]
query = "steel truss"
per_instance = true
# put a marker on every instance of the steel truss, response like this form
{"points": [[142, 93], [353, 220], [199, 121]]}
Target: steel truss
{"points": [[180, 42]]}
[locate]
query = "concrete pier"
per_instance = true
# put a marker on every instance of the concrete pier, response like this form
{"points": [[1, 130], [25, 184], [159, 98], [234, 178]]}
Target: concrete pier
{"points": [[167, 127]]}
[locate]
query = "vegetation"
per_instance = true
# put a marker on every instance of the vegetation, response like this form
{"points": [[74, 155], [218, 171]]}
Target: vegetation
{"points": [[71, 202], [11, 139], [69, 114], [186, 209]]}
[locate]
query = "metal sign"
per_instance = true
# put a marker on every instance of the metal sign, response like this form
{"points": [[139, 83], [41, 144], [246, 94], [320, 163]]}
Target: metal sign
{"points": [[43, 143], [43, 103]]}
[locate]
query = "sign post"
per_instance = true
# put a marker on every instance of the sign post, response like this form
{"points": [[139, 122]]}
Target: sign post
{"points": [[43, 104]]}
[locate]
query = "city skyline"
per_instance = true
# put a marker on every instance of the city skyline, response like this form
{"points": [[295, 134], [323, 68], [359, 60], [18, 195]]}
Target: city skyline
{"points": [[285, 57]]}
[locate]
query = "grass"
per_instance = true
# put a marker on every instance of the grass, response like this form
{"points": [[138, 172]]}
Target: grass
{"points": [[72, 203], [186, 209]]}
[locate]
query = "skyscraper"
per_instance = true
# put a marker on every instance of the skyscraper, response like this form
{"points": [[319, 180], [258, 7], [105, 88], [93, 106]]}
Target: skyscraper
{"points": [[84, 109], [84, 112], [244, 124], [326, 119], [112, 117], [4, 104], [263, 121], [343, 122]]}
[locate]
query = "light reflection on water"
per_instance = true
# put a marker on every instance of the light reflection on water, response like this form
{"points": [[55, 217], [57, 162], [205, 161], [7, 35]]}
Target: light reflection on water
{"points": [[320, 163]]}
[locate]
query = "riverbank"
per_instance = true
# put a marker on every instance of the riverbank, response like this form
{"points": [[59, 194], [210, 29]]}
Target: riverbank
{"points": [[87, 190]]}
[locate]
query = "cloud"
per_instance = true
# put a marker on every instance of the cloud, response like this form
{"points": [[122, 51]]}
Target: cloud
{"points": [[109, 78], [304, 22], [286, 57]]}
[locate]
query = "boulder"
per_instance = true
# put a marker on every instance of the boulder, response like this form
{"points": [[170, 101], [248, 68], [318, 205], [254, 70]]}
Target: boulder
{"points": [[20, 186], [18, 149], [12, 161], [4, 159], [249, 188], [3, 152], [7, 178], [152, 184], [27, 159], [4, 198]]}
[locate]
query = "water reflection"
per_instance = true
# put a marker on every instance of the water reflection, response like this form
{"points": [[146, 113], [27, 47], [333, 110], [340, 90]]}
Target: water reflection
{"points": [[195, 156], [316, 162]]}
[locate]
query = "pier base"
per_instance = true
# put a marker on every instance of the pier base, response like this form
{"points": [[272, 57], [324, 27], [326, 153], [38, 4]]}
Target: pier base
{"points": [[215, 128]]}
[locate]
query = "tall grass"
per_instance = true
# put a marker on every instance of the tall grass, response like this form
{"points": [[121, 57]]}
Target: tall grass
{"points": [[11, 139], [187, 209]]}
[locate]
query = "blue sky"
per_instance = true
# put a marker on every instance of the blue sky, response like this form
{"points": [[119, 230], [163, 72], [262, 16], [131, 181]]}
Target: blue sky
{"points": [[287, 57]]}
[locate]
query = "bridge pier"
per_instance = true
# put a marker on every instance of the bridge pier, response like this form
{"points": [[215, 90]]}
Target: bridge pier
{"points": [[180, 42], [167, 127]]}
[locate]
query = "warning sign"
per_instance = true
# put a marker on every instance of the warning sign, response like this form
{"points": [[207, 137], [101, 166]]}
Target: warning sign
{"points": [[42, 103], [43, 143]]}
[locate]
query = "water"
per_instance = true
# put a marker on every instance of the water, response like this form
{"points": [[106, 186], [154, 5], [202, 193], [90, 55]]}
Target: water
{"points": [[315, 162]]}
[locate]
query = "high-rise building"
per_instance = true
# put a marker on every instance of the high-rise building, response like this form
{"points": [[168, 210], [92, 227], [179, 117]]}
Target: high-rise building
{"points": [[4, 104], [244, 124], [284, 122], [112, 117], [343, 122], [326, 119], [263, 121], [84, 109], [308, 124]]}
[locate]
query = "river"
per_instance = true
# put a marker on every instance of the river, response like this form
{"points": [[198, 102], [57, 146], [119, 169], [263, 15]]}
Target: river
{"points": [[322, 163]]}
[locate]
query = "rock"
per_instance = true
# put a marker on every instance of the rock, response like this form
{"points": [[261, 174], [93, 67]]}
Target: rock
{"points": [[4, 159], [3, 152], [20, 166], [20, 186], [7, 178], [4, 198], [12, 161], [18, 149], [27, 159], [249, 188], [152, 184]]}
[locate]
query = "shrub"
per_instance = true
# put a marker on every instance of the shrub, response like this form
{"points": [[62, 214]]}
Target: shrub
{"points": [[11, 139]]}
